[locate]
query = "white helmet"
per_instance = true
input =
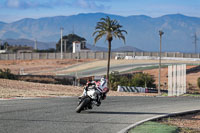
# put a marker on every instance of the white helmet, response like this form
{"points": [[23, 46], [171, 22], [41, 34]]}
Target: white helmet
{"points": [[102, 79]]}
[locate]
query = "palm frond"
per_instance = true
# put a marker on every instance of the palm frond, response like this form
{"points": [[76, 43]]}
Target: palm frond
{"points": [[109, 28], [99, 36]]}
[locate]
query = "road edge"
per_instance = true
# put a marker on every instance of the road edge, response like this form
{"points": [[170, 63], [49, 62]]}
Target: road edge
{"points": [[125, 130], [39, 97]]}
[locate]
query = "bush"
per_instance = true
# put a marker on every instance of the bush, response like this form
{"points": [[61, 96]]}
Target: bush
{"points": [[114, 79], [138, 80], [6, 74], [124, 81], [198, 82], [142, 80]]}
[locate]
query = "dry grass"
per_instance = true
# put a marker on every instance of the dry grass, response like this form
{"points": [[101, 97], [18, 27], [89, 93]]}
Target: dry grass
{"points": [[14, 88], [191, 79], [48, 67], [51, 66], [191, 121], [43, 66]]}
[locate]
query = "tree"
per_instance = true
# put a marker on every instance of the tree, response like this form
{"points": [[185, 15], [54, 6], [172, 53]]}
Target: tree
{"points": [[198, 82], [15, 48], [50, 50], [70, 39], [109, 28], [114, 80], [143, 80], [6, 74], [5, 45]]}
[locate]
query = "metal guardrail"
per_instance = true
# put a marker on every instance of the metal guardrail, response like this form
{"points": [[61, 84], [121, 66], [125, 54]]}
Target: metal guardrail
{"points": [[194, 69]]}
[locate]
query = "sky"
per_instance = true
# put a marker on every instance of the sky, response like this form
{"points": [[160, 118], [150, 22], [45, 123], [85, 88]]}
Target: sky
{"points": [[13, 10]]}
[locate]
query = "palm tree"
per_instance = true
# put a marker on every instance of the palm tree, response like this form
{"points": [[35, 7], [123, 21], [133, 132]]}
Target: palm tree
{"points": [[109, 28]]}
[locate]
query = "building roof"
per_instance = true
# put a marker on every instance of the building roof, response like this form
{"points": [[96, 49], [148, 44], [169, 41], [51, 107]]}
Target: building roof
{"points": [[76, 42]]}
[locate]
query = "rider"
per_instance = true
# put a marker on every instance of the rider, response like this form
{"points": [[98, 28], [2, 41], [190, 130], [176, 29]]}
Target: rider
{"points": [[102, 88]]}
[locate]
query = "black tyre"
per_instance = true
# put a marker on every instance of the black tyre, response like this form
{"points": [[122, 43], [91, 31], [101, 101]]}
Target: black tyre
{"points": [[81, 106]]}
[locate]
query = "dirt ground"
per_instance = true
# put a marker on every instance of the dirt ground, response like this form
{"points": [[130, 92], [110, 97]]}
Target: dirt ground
{"points": [[191, 121], [53, 67], [191, 79], [14, 88], [39, 67]]}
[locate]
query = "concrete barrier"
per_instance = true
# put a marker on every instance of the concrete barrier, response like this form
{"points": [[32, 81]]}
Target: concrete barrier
{"points": [[100, 55], [138, 89], [157, 58], [131, 89]]}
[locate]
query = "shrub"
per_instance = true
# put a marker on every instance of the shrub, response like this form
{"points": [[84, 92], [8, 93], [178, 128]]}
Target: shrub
{"points": [[138, 80], [198, 82], [114, 79], [124, 81], [143, 80], [6, 74]]}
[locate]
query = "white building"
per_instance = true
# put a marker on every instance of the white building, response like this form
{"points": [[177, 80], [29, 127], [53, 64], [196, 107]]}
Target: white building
{"points": [[2, 51], [79, 47]]}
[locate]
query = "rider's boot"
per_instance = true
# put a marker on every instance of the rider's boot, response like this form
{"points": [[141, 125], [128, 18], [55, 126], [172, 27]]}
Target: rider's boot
{"points": [[98, 101], [90, 106], [80, 96]]}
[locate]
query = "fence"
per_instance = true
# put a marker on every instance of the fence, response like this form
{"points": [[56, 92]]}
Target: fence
{"points": [[89, 55]]}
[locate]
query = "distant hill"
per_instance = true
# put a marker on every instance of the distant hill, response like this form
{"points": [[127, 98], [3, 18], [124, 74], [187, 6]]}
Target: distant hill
{"points": [[142, 30], [127, 49], [47, 45], [2, 24], [40, 45], [96, 48], [124, 48]]}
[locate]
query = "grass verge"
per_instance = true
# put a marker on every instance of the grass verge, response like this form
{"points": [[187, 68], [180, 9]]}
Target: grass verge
{"points": [[192, 95], [156, 127]]}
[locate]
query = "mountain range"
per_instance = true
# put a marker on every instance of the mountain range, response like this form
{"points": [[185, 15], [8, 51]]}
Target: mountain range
{"points": [[27, 42], [143, 31], [48, 45]]}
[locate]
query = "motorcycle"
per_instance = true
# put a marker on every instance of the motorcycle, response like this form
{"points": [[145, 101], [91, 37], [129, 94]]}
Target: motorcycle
{"points": [[91, 96]]}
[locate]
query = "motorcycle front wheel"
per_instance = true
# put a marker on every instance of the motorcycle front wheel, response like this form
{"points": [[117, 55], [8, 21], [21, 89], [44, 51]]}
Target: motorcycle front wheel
{"points": [[83, 103]]}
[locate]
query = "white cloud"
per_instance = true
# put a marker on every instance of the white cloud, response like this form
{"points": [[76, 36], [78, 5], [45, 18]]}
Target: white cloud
{"points": [[94, 5], [27, 4], [90, 4], [13, 4]]}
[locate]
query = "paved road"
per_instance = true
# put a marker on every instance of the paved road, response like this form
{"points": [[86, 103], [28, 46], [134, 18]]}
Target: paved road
{"points": [[102, 70], [120, 68], [57, 115]]}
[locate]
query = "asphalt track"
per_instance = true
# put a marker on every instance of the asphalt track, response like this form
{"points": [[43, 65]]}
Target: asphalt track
{"points": [[99, 71], [102, 70], [57, 115]]}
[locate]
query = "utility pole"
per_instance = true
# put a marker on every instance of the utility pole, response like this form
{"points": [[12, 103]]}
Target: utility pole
{"points": [[159, 76], [195, 43], [35, 44], [0, 44], [73, 30], [61, 44]]}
